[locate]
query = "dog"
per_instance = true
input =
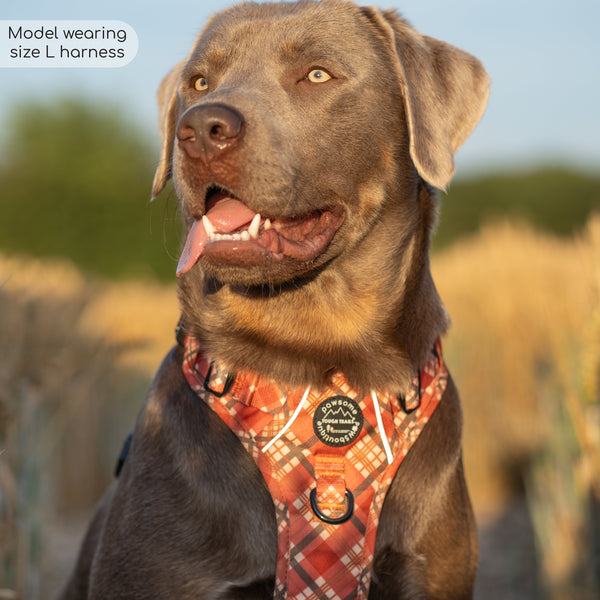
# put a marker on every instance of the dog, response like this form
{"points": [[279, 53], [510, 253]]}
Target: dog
{"points": [[306, 142]]}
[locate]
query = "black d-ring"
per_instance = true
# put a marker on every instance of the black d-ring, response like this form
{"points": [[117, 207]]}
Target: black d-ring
{"points": [[402, 400], [330, 520], [228, 383]]}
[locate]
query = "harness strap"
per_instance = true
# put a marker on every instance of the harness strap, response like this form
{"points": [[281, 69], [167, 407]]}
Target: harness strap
{"points": [[330, 482], [328, 457]]}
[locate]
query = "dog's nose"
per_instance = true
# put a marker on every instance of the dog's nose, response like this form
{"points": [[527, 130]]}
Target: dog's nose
{"points": [[209, 130]]}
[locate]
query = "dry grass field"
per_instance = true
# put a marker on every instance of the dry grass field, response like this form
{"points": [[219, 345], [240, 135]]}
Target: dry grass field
{"points": [[77, 354], [525, 352]]}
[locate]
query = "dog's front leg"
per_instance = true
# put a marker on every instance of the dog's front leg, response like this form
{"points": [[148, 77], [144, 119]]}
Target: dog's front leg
{"points": [[426, 543]]}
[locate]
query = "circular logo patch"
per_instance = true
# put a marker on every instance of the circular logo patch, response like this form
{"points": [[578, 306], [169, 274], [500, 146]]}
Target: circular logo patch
{"points": [[338, 421]]}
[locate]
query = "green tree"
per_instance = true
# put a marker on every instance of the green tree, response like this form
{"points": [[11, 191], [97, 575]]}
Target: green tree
{"points": [[551, 198], [75, 182]]}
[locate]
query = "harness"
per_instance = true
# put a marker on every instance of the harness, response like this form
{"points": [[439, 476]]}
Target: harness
{"points": [[328, 457]]}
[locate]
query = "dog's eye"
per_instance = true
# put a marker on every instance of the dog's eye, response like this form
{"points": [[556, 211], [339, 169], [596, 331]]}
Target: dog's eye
{"points": [[200, 83], [318, 76]]}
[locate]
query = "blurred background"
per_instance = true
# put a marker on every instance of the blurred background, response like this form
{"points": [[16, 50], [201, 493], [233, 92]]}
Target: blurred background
{"points": [[88, 306]]}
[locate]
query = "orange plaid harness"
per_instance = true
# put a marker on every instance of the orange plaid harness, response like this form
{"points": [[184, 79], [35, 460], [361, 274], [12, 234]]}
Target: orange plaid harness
{"points": [[328, 457]]}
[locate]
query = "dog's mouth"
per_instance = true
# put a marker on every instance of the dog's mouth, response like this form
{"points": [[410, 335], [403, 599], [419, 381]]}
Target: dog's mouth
{"points": [[232, 233]]}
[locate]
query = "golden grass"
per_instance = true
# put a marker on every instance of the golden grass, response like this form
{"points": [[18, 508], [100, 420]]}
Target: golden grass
{"points": [[523, 306], [77, 354], [76, 358], [525, 351], [138, 317]]}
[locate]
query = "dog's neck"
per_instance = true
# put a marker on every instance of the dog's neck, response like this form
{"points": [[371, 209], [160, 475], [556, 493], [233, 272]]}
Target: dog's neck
{"points": [[374, 318]]}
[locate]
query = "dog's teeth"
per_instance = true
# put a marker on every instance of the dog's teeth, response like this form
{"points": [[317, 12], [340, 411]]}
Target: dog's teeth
{"points": [[267, 224], [254, 226], [245, 236], [208, 227]]}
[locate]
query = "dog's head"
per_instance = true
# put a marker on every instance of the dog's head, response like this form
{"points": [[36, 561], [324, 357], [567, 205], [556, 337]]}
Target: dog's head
{"points": [[299, 137], [289, 126]]}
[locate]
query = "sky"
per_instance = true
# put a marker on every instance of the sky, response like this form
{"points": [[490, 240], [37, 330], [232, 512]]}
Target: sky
{"points": [[543, 58]]}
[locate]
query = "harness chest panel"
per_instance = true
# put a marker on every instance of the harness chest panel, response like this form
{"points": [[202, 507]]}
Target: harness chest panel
{"points": [[328, 457]]}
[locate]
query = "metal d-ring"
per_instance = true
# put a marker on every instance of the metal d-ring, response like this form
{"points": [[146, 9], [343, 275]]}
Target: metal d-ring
{"points": [[228, 383], [330, 520], [402, 399]]}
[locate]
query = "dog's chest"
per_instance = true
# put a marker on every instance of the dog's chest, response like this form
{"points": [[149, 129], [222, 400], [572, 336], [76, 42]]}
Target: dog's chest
{"points": [[328, 457]]}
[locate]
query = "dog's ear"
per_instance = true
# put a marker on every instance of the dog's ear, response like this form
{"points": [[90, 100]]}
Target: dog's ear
{"points": [[445, 93], [167, 121]]}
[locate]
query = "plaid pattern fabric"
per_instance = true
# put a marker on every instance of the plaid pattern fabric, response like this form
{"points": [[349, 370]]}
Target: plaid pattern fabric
{"points": [[317, 560]]}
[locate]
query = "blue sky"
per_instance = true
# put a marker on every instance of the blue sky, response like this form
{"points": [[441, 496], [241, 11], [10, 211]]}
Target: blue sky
{"points": [[543, 57]]}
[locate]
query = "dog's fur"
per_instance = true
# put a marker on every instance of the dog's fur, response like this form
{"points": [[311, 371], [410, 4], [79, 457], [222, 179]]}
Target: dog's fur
{"points": [[190, 516]]}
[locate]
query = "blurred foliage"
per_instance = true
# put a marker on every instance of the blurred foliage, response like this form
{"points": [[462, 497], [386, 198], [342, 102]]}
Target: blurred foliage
{"points": [[69, 393], [552, 199], [524, 351], [75, 180]]}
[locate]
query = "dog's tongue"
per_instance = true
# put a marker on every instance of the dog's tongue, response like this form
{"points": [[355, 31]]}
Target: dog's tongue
{"points": [[226, 215]]}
